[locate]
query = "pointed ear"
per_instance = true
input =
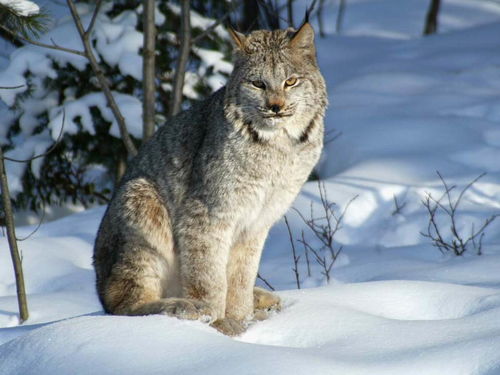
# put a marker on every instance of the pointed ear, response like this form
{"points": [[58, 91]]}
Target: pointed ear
{"points": [[238, 39], [303, 37]]}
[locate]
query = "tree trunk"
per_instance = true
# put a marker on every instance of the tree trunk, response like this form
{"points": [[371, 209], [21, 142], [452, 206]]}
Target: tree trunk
{"points": [[431, 22], [11, 236], [148, 70], [182, 59]]}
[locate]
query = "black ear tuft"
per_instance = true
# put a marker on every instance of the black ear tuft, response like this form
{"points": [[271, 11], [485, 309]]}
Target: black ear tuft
{"points": [[306, 18], [309, 10]]}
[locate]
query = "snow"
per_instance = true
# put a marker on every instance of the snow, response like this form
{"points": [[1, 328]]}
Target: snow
{"points": [[130, 107], [198, 21], [23, 8], [405, 107], [120, 44]]}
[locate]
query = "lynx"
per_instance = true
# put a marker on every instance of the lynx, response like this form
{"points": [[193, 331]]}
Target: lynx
{"points": [[184, 232]]}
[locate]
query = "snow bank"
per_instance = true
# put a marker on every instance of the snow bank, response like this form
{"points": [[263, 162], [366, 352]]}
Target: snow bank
{"points": [[355, 329]]}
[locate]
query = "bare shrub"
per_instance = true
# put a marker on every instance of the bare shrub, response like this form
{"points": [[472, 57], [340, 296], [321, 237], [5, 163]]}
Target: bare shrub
{"points": [[324, 226], [454, 242]]}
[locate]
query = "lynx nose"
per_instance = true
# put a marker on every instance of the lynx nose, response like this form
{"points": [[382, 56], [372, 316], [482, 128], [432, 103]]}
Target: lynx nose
{"points": [[275, 108], [275, 103]]}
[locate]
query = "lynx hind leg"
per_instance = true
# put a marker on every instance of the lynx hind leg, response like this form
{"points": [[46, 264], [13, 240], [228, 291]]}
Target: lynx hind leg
{"points": [[136, 288], [147, 269], [264, 302]]}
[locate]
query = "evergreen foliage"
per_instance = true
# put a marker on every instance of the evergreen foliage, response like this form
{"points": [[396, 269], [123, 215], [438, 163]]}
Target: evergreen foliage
{"points": [[86, 163]]}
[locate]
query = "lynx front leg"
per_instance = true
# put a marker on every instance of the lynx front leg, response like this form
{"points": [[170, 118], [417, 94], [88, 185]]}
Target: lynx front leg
{"points": [[242, 272], [204, 247]]}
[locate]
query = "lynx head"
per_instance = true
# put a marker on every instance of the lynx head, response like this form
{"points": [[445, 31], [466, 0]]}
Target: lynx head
{"points": [[276, 85]]}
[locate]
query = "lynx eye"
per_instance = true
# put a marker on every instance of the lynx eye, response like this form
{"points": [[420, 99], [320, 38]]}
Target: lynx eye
{"points": [[292, 81], [259, 84]]}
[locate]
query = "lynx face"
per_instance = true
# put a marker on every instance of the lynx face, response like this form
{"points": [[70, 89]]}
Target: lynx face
{"points": [[276, 83], [272, 97]]}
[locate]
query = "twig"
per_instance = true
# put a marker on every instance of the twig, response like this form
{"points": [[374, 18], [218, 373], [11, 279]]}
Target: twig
{"points": [[40, 44], [295, 257], [213, 26], [306, 252], [273, 15], [89, 54], [40, 222], [321, 259], [331, 136], [94, 16], [51, 148], [265, 281], [33, 158], [398, 207], [11, 87]]}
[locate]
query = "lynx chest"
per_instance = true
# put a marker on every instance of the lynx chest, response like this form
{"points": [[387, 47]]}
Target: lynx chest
{"points": [[278, 180]]}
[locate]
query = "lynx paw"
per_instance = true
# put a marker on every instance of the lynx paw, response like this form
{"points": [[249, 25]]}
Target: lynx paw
{"points": [[229, 326], [181, 308], [264, 300], [189, 309]]}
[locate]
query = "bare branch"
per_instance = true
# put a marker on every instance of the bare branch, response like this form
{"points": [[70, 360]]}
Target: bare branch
{"points": [[94, 16], [89, 54], [306, 252], [273, 15], [480, 232], [265, 281], [438, 201], [447, 190], [40, 222], [467, 187], [11, 87], [331, 136], [398, 207], [212, 27], [294, 253]]}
